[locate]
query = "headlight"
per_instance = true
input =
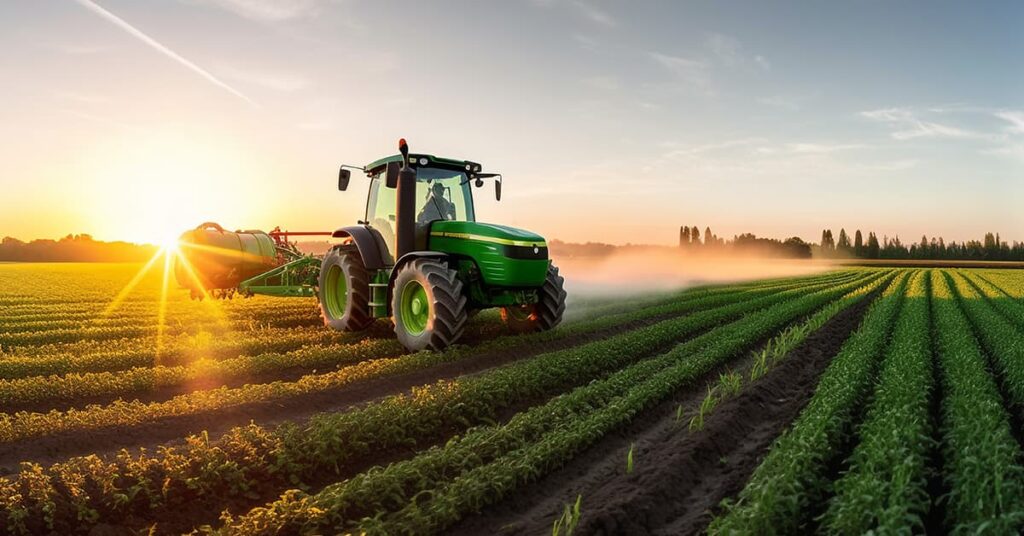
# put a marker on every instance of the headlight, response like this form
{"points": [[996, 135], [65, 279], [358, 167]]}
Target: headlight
{"points": [[423, 161]]}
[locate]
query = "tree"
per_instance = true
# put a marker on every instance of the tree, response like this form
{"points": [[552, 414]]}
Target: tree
{"points": [[709, 239], [872, 248], [695, 235], [844, 241], [684, 236], [858, 244]]}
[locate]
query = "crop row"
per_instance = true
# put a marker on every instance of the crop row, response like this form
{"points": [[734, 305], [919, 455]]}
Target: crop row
{"points": [[331, 443], [981, 456], [1001, 339], [885, 489], [436, 488], [128, 329], [71, 314], [788, 482], [135, 380], [24, 425], [176, 350]]}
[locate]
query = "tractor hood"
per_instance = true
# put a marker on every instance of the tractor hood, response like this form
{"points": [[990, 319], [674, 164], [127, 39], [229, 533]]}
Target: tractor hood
{"points": [[486, 232]]}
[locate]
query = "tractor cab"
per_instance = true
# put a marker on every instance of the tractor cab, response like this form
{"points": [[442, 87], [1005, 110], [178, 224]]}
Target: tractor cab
{"points": [[443, 193]]}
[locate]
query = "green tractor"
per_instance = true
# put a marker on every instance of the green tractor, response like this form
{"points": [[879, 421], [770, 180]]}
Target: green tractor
{"points": [[421, 258]]}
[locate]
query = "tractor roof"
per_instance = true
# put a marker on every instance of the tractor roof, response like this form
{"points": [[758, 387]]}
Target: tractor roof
{"points": [[415, 159]]}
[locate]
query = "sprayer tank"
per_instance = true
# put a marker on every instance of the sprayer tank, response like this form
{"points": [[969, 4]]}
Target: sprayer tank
{"points": [[222, 259]]}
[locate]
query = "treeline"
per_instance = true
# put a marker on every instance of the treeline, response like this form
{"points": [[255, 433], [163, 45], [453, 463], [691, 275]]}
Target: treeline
{"points": [[991, 248], [73, 248], [745, 244]]}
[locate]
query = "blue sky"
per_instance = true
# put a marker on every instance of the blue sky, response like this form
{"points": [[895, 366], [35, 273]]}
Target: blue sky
{"points": [[612, 121]]}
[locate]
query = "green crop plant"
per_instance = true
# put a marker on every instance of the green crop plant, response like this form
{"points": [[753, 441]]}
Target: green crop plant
{"points": [[884, 491], [629, 458], [568, 520], [982, 459], [789, 481], [706, 406]]}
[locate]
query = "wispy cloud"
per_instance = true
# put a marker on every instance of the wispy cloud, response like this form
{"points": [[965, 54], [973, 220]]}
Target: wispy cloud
{"points": [[729, 52], [910, 126], [693, 73], [1015, 118], [267, 10], [135, 32], [594, 14]]}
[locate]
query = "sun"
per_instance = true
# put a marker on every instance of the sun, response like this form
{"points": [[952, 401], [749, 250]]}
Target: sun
{"points": [[168, 241]]}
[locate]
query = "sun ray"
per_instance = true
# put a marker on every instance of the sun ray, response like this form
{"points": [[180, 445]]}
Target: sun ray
{"points": [[191, 273], [161, 315], [133, 283]]}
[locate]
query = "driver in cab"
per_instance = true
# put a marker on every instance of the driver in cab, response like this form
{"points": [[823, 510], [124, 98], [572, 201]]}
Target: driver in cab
{"points": [[436, 207]]}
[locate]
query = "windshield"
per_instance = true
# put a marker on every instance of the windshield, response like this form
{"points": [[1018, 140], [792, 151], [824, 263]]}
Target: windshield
{"points": [[442, 194]]}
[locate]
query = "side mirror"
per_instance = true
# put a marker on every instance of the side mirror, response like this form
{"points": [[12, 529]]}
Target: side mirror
{"points": [[391, 176], [343, 176], [497, 189]]}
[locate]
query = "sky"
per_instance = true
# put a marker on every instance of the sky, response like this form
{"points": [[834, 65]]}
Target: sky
{"points": [[610, 121]]}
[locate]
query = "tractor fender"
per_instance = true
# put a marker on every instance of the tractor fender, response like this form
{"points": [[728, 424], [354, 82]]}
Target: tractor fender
{"points": [[405, 259], [369, 243]]}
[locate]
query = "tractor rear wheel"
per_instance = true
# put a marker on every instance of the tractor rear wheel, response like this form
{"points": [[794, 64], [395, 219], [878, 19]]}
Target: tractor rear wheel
{"points": [[344, 291], [428, 306], [540, 316]]}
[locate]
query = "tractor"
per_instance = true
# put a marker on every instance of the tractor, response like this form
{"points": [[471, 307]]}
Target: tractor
{"points": [[418, 257]]}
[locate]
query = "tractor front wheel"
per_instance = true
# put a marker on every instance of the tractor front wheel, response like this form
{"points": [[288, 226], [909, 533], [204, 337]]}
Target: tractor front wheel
{"points": [[344, 291], [540, 316], [428, 306]]}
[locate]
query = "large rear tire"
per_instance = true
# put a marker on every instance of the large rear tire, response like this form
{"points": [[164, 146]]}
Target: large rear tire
{"points": [[428, 306], [543, 315], [344, 291]]}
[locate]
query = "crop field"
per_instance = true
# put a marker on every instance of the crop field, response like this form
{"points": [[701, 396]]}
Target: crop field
{"points": [[884, 399]]}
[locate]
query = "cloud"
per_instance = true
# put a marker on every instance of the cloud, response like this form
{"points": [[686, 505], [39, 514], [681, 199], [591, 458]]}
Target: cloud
{"points": [[729, 52], [135, 32], [585, 41], [1015, 118], [267, 10], [594, 14], [909, 126], [727, 48], [693, 73]]}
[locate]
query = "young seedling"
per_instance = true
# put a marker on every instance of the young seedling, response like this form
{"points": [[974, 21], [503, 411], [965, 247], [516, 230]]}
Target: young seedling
{"points": [[679, 413], [629, 458], [730, 384], [706, 405], [569, 519]]}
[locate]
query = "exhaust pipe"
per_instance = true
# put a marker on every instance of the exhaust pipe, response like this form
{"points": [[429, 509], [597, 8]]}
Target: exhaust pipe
{"points": [[405, 211]]}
